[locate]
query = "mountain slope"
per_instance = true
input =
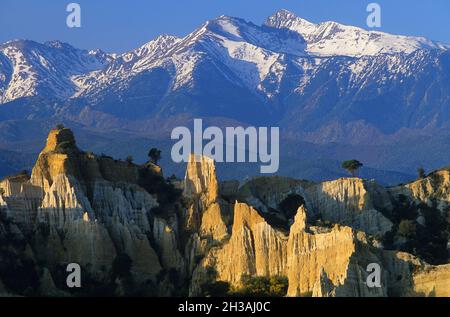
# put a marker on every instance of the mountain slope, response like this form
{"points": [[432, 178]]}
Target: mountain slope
{"points": [[312, 75], [34, 69], [332, 86], [331, 38]]}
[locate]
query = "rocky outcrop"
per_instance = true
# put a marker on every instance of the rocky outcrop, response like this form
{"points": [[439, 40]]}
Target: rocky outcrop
{"points": [[85, 209], [205, 218], [254, 248], [91, 210], [432, 281], [167, 241], [317, 261], [435, 188], [308, 254], [349, 201], [314, 262], [200, 180], [90, 217], [212, 223]]}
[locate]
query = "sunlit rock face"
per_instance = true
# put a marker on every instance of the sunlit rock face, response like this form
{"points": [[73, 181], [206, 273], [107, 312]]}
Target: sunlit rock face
{"points": [[201, 180], [349, 201], [317, 261], [82, 208], [433, 281], [433, 188], [257, 249], [206, 218]]}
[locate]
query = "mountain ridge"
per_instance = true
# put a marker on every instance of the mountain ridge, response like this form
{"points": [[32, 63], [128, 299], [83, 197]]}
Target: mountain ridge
{"points": [[237, 30], [230, 71]]}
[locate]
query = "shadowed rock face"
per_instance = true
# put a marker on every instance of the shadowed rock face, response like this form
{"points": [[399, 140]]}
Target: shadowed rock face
{"points": [[78, 207], [80, 214], [317, 261]]}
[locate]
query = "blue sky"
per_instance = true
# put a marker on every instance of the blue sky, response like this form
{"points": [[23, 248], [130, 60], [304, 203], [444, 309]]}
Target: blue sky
{"points": [[117, 26]]}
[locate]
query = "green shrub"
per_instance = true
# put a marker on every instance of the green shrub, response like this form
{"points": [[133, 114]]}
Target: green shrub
{"points": [[407, 229], [261, 286], [216, 289]]}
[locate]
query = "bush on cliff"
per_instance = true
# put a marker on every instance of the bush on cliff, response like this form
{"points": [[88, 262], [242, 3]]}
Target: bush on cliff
{"points": [[262, 286]]}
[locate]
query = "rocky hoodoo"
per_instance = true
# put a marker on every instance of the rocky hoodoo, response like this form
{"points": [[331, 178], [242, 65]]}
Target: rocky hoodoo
{"points": [[318, 261], [257, 249], [85, 209], [205, 219], [99, 212]]}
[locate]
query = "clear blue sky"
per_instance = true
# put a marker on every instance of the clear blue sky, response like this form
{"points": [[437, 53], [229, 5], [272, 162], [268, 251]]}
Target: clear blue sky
{"points": [[117, 26]]}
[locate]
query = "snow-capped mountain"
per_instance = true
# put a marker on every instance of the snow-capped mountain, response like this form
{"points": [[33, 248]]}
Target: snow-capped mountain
{"points": [[28, 68], [309, 77], [332, 39], [251, 53], [336, 91]]}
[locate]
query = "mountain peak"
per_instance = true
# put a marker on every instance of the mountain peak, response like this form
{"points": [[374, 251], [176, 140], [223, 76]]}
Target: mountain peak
{"points": [[283, 14], [58, 44], [332, 38], [287, 19]]}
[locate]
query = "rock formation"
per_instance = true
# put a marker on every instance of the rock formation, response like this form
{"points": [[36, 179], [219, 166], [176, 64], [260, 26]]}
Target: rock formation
{"points": [[100, 212], [348, 201]]}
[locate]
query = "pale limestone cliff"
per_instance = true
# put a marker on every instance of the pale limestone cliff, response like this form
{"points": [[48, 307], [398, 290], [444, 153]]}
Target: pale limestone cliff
{"points": [[348, 201], [432, 281], [317, 261], [200, 180], [204, 219], [254, 248], [309, 253], [433, 188], [86, 209], [212, 223]]}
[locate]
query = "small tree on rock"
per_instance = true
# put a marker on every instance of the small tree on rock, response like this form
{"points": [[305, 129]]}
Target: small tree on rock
{"points": [[155, 155], [352, 166], [129, 159], [421, 172]]}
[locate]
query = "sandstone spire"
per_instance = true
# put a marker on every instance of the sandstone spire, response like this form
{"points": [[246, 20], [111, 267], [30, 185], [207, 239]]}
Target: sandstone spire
{"points": [[200, 179]]}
